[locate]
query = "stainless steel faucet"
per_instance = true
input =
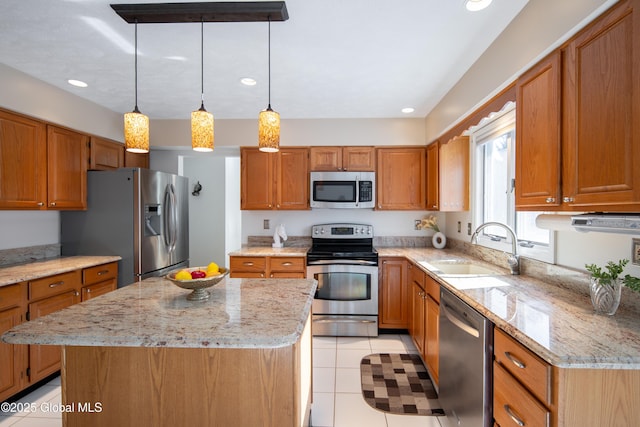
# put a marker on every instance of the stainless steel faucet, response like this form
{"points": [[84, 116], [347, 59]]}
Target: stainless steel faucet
{"points": [[513, 259]]}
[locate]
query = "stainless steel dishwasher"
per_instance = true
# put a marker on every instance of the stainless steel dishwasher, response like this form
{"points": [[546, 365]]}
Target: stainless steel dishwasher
{"points": [[466, 349]]}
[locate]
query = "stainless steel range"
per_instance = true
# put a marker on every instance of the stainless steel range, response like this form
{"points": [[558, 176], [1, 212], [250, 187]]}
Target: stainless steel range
{"points": [[345, 264]]}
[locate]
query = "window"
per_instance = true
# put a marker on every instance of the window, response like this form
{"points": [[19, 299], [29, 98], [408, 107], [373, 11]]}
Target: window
{"points": [[494, 192]]}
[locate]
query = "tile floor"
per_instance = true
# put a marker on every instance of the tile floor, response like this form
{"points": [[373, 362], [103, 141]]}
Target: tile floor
{"points": [[337, 399]]}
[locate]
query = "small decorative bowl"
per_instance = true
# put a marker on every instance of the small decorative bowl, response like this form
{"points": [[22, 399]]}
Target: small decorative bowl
{"points": [[197, 285]]}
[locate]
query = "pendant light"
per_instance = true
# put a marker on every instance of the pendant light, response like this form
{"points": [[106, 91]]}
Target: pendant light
{"points": [[136, 124], [269, 120], [202, 120]]}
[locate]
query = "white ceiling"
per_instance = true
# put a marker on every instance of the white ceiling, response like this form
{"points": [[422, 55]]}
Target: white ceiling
{"points": [[331, 59]]}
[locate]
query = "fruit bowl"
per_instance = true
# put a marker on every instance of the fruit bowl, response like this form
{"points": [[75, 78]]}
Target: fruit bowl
{"points": [[198, 286]]}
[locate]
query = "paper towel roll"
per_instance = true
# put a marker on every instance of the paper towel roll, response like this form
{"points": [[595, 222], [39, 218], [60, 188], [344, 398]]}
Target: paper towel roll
{"points": [[554, 222]]}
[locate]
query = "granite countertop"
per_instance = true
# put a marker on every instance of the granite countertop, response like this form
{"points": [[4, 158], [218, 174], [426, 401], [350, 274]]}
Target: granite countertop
{"points": [[48, 267], [240, 313], [557, 323], [269, 251]]}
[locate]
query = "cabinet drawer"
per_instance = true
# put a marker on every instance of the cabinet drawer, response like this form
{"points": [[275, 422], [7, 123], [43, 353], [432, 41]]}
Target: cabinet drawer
{"points": [[53, 285], [513, 405], [248, 264], [10, 296], [98, 289], [287, 264], [526, 367], [99, 273], [433, 289]]}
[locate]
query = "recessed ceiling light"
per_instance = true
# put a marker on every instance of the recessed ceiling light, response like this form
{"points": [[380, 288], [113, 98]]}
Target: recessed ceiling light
{"points": [[408, 110], [77, 83], [476, 5], [248, 81]]}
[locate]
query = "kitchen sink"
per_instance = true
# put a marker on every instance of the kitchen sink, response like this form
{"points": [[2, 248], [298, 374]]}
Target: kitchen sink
{"points": [[459, 268]]}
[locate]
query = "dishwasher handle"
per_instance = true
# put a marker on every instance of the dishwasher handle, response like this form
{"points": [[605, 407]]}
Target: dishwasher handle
{"points": [[458, 321]]}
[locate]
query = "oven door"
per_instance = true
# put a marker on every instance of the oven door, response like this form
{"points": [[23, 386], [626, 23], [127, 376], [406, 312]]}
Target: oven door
{"points": [[346, 300]]}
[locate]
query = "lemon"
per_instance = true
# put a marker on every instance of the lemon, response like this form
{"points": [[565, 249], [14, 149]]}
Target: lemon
{"points": [[213, 269], [183, 275]]}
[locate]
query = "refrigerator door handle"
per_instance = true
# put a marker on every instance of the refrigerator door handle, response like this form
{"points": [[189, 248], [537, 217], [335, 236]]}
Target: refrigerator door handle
{"points": [[170, 225]]}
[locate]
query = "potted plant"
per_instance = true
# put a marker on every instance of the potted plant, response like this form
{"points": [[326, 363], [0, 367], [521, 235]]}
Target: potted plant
{"points": [[606, 285], [438, 240]]}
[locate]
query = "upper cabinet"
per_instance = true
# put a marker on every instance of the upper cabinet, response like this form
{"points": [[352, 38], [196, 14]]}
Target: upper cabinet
{"points": [[66, 168], [23, 162], [342, 159], [274, 180], [593, 133], [454, 175], [136, 160], [105, 154], [401, 178], [433, 180]]}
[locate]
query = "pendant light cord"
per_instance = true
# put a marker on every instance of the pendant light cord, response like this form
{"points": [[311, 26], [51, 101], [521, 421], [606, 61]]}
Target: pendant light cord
{"points": [[136, 66], [269, 62], [202, 63]]}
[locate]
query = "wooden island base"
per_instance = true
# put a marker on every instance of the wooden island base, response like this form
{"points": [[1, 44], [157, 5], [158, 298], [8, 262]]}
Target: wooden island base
{"points": [[142, 386]]}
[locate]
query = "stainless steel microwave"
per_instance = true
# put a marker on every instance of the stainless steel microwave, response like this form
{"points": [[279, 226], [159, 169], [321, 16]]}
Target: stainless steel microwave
{"points": [[351, 190]]}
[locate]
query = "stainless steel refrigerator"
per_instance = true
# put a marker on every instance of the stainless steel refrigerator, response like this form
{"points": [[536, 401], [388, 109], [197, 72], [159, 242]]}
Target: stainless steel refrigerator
{"points": [[139, 214]]}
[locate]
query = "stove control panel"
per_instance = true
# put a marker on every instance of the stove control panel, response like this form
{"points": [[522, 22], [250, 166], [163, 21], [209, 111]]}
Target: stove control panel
{"points": [[341, 231]]}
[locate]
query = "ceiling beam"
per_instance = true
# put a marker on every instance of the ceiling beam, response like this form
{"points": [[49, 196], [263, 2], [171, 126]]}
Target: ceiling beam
{"points": [[160, 13]]}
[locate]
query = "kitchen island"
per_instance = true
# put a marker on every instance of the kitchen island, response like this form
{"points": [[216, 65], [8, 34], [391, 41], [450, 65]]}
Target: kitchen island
{"points": [[144, 355]]}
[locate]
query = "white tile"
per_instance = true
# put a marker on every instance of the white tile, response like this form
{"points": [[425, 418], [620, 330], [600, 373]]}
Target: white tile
{"points": [[55, 381], [324, 380], [354, 343], [322, 410], [350, 358], [46, 400], [388, 344], [324, 342], [408, 343], [324, 358], [8, 421], [351, 410], [411, 421], [41, 394], [38, 422], [348, 380]]}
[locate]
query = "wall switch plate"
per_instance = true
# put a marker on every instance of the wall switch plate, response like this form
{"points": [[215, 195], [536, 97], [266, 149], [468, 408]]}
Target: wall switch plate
{"points": [[459, 225], [265, 224], [416, 224], [469, 229], [635, 251]]}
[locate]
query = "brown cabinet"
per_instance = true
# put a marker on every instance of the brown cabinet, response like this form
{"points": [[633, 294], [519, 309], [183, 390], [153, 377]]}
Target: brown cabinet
{"points": [[393, 301], [105, 154], [271, 267], [13, 363], [401, 178], [136, 160], [342, 158], [66, 169], [433, 178], [417, 327], [432, 334], [274, 180], [23, 162], [454, 174], [99, 280], [577, 144]]}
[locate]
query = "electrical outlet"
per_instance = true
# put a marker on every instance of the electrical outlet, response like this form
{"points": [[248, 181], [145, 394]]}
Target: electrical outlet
{"points": [[459, 226], [265, 224], [469, 229], [416, 224]]}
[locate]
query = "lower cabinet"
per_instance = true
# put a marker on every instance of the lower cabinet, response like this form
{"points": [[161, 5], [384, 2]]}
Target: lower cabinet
{"points": [[418, 316], [393, 303], [247, 267], [432, 335], [24, 365]]}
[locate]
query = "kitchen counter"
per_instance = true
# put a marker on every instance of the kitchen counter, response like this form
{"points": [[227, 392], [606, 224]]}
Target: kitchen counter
{"points": [[556, 323], [147, 356], [48, 267], [270, 251], [240, 313]]}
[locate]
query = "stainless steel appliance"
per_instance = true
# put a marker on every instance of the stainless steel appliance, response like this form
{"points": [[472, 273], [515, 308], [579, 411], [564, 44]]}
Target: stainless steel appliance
{"points": [[466, 349], [343, 190], [345, 264], [139, 214]]}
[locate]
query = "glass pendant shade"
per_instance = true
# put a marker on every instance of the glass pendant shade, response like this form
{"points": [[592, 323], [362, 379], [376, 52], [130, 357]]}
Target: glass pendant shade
{"points": [[202, 130], [269, 131], [136, 132]]}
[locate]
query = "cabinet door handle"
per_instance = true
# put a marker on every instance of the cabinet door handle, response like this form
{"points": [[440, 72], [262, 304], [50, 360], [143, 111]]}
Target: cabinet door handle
{"points": [[101, 272], [88, 290], [261, 274], [287, 264], [513, 416], [514, 360], [248, 263], [56, 284], [271, 275], [40, 204], [550, 200], [568, 199], [52, 204]]}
